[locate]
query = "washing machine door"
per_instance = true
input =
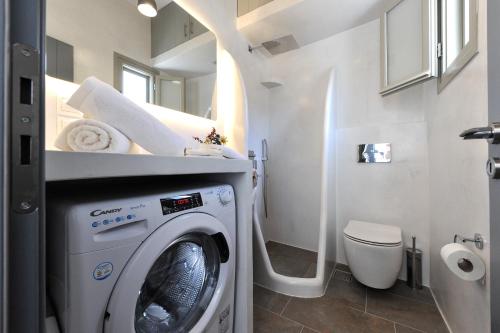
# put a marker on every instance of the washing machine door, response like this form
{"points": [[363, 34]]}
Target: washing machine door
{"points": [[175, 280]]}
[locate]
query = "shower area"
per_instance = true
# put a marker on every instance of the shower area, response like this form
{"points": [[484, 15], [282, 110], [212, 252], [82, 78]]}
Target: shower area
{"points": [[294, 216]]}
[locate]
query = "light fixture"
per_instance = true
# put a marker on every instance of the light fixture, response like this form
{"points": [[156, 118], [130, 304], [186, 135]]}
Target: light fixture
{"points": [[147, 7]]}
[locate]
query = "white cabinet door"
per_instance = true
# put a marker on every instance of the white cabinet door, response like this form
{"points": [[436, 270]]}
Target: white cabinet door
{"points": [[408, 44]]}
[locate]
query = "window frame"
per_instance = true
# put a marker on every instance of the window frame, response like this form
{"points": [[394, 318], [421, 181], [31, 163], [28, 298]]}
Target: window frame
{"points": [[123, 63], [468, 52], [429, 68]]}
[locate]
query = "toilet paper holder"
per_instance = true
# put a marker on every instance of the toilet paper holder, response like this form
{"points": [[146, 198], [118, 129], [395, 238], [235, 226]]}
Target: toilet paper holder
{"points": [[478, 240]]}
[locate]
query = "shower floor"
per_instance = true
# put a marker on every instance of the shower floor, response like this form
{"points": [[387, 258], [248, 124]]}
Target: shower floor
{"points": [[347, 305]]}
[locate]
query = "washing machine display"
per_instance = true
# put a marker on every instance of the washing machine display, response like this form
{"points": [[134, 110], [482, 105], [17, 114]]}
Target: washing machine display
{"points": [[180, 203]]}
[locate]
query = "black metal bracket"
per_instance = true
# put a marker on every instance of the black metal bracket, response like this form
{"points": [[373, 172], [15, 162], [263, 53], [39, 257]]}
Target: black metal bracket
{"points": [[25, 136]]}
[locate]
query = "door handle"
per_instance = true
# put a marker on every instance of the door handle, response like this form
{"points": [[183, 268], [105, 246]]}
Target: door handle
{"points": [[490, 133]]}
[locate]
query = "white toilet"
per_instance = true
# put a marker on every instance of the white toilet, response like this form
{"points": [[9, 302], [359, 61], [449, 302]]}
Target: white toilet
{"points": [[374, 253]]}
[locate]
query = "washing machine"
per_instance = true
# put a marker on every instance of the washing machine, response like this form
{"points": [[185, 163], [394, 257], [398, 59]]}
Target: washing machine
{"points": [[161, 261]]}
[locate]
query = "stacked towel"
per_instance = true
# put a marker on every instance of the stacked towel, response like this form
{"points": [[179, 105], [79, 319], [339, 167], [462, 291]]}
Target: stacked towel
{"points": [[89, 135], [207, 150], [233, 154], [100, 101]]}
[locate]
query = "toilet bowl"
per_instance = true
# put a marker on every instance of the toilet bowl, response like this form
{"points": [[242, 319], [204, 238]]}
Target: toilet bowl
{"points": [[374, 253]]}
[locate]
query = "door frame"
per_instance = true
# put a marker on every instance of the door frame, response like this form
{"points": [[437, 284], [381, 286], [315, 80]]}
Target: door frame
{"points": [[493, 13], [23, 166], [167, 77]]}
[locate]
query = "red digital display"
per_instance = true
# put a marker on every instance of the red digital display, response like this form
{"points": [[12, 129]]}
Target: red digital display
{"points": [[182, 202]]}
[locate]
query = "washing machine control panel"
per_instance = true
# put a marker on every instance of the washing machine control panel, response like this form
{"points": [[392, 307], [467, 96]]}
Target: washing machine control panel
{"points": [[182, 202], [110, 217]]}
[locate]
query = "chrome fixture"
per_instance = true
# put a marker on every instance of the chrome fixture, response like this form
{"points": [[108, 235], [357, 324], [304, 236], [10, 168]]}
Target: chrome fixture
{"points": [[265, 157], [147, 7], [490, 133], [277, 46], [493, 168], [251, 156], [374, 153], [478, 240]]}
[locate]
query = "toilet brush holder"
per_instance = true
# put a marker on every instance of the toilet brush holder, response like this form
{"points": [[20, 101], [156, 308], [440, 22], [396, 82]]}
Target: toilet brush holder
{"points": [[414, 268]]}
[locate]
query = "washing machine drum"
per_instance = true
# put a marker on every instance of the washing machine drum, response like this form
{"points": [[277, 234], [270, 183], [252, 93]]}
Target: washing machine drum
{"points": [[179, 286], [175, 279]]}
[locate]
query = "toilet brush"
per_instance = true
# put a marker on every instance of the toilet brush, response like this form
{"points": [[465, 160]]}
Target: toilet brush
{"points": [[414, 262], [414, 266]]}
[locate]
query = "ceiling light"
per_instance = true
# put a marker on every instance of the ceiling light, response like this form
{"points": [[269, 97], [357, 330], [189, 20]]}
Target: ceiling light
{"points": [[147, 7]]}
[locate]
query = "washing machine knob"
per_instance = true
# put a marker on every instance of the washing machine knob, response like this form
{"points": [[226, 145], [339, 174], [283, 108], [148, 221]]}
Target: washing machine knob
{"points": [[225, 196]]}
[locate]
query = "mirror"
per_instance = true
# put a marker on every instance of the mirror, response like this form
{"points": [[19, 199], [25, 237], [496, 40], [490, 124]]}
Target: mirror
{"points": [[458, 37], [168, 60]]}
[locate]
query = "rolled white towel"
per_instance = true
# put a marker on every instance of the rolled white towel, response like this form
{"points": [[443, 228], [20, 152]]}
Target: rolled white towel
{"points": [[232, 154], [88, 135], [99, 100]]}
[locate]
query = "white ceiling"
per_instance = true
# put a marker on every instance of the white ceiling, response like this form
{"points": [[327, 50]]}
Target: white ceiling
{"points": [[308, 20]]}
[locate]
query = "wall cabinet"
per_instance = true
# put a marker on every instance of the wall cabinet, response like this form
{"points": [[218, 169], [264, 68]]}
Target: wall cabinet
{"points": [[59, 59], [172, 27]]}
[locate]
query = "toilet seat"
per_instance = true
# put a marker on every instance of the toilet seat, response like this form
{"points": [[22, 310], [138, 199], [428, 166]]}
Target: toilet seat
{"points": [[372, 243], [373, 233]]}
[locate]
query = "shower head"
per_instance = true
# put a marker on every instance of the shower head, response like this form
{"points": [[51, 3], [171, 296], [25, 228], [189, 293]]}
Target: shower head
{"points": [[278, 46], [271, 44]]}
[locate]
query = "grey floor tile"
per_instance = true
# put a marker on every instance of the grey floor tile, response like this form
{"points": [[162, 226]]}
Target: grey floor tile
{"points": [[267, 322], [275, 248], [347, 290], [269, 299], [404, 329], [343, 268], [311, 272], [401, 288], [289, 266], [420, 315], [327, 314]]}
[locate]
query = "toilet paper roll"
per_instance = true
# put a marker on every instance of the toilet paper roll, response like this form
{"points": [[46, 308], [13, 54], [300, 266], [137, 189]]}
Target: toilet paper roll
{"points": [[463, 262]]}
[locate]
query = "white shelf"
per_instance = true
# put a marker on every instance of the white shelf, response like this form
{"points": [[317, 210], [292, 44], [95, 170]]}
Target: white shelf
{"points": [[61, 165]]}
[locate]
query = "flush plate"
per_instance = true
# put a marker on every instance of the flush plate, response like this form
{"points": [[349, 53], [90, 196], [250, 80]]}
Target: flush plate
{"points": [[374, 153]]}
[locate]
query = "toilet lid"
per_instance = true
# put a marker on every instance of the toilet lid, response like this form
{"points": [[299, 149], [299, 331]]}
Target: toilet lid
{"points": [[373, 233]]}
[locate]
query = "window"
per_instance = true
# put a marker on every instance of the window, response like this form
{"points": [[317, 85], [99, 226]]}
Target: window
{"points": [[458, 37], [136, 85], [134, 80]]}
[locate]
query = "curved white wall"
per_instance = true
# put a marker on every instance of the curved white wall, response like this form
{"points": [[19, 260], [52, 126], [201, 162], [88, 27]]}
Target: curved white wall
{"points": [[393, 193]]}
